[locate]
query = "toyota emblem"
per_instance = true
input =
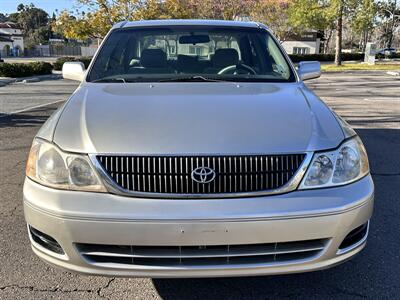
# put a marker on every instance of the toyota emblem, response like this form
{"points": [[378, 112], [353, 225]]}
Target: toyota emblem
{"points": [[203, 175]]}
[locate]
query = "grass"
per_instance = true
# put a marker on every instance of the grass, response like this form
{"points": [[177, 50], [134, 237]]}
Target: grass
{"points": [[364, 67]]}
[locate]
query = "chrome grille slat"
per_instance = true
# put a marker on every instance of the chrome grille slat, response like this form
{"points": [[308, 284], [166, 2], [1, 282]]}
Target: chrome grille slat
{"points": [[132, 176], [194, 254], [214, 184], [172, 174], [187, 255]]}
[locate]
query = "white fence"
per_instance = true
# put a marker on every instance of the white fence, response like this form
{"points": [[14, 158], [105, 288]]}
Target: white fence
{"points": [[88, 51]]}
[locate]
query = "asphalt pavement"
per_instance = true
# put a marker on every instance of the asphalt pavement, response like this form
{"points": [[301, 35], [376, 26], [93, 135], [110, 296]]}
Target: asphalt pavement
{"points": [[369, 101], [20, 96]]}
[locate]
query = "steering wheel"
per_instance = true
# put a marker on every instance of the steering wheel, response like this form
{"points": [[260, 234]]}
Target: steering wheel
{"points": [[236, 68]]}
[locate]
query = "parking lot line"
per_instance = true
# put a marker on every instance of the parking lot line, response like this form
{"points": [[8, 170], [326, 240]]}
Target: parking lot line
{"points": [[29, 108]]}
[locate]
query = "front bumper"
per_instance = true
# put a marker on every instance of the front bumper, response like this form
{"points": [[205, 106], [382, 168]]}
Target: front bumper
{"points": [[90, 218]]}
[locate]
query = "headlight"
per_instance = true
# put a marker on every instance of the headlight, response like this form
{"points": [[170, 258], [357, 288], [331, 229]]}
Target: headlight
{"points": [[342, 166], [49, 166]]}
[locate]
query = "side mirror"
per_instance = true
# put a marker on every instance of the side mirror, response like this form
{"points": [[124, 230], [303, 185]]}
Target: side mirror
{"points": [[74, 70], [309, 70]]}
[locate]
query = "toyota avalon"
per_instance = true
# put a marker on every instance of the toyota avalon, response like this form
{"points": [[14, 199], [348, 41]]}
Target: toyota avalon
{"points": [[194, 149]]}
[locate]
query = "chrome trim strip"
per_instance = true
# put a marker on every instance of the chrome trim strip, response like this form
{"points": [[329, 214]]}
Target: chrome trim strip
{"points": [[113, 187], [208, 255]]}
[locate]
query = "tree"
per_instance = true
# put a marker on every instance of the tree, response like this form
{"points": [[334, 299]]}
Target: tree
{"points": [[224, 9], [273, 13], [339, 31], [102, 14], [80, 27], [389, 13], [310, 14], [194, 9], [364, 20], [34, 23], [13, 17], [181, 9], [322, 14], [30, 17], [3, 18]]}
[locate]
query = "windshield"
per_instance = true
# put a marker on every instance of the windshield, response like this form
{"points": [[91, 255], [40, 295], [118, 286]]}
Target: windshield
{"points": [[195, 53]]}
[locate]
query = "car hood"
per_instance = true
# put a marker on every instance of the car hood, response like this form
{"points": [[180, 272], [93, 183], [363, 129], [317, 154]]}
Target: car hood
{"points": [[196, 118]]}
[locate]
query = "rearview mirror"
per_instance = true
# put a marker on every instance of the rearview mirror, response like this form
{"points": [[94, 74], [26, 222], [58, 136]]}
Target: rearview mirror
{"points": [[194, 39], [74, 70], [309, 70]]}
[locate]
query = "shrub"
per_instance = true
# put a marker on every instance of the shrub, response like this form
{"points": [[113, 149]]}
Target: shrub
{"points": [[326, 57], [61, 60], [41, 68], [353, 56], [24, 70], [382, 56]]}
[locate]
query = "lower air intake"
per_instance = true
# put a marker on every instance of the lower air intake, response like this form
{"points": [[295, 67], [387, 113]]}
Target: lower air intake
{"points": [[181, 256], [45, 241]]}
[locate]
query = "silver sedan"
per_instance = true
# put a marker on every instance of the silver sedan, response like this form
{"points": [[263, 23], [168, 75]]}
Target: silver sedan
{"points": [[194, 149]]}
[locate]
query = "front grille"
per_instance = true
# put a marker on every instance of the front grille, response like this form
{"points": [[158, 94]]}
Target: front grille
{"points": [[176, 256], [173, 174]]}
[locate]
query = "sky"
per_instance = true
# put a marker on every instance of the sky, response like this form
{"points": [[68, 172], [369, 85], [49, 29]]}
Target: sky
{"points": [[10, 6]]}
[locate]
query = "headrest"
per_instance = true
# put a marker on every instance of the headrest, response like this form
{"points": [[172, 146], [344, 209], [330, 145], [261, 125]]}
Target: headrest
{"points": [[225, 57], [153, 58]]}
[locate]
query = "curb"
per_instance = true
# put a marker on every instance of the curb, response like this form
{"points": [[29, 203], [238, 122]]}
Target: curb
{"points": [[5, 80], [378, 72], [393, 73], [29, 80]]}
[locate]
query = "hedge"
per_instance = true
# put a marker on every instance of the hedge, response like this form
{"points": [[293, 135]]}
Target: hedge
{"points": [[326, 57], [25, 70], [61, 60], [331, 57], [295, 58]]}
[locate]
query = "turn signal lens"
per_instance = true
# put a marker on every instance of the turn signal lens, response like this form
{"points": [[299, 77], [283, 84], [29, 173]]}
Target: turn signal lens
{"points": [[32, 158]]}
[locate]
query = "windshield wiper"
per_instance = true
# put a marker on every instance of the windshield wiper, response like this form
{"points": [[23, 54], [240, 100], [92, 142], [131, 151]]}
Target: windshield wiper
{"points": [[196, 78], [119, 79]]}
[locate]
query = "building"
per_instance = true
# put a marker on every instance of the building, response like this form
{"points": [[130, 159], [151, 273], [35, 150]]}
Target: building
{"points": [[6, 44], [309, 42], [11, 40]]}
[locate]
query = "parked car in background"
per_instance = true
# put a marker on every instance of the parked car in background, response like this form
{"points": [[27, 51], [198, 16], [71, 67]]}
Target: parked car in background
{"points": [[387, 52], [192, 148]]}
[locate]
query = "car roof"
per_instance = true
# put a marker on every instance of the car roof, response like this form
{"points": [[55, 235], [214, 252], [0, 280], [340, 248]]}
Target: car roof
{"points": [[222, 23]]}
